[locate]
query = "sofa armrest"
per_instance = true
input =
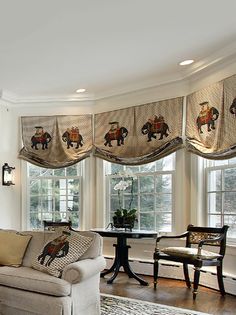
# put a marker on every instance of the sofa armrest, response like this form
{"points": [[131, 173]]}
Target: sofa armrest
{"points": [[83, 269]]}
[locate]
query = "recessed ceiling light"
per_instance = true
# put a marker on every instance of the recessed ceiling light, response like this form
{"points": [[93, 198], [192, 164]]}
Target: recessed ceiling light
{"points": [[186, 62], [80, 90]]}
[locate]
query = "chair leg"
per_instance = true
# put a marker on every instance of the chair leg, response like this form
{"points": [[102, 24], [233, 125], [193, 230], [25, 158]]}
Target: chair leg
{"points": [[220, 279], [155, 272], [196, 281], [186, 275]]}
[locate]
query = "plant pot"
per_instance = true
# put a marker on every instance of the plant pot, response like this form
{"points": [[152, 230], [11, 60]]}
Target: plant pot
{"points": [[123, 222]]}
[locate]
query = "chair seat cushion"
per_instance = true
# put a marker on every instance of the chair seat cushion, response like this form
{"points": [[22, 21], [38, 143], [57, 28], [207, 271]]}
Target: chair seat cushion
{"points": [[189, 252]]}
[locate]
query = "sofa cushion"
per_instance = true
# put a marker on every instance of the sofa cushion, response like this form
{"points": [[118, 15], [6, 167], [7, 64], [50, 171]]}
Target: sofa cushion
{"points": [[65, 247], [29, 279], [12, 247]]}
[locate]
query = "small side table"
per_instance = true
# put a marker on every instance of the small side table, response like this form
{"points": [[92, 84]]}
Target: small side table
{"points": [[122, 251]]}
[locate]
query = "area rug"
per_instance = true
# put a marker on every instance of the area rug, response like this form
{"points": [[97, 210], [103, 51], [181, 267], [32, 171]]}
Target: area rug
{"points": [[115, 305]]}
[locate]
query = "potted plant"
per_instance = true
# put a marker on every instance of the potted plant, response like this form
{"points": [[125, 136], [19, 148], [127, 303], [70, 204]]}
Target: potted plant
{"points": [[125, 218]]}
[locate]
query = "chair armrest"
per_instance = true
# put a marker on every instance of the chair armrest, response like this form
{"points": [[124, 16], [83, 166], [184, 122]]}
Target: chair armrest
{"points": [[83, 269], [185, 234]]}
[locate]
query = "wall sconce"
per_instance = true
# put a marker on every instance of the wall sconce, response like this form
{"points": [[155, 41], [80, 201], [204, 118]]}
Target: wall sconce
{"points": [[7, 175]]}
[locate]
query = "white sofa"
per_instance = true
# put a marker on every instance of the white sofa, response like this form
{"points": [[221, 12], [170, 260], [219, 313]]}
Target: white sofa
{"points": [[26, 291]]}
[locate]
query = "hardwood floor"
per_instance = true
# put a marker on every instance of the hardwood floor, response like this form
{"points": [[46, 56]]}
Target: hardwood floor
{"points": [[171, 292]]}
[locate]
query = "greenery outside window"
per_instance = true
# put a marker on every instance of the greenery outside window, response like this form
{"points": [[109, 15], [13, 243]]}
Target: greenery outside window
{"points": [[53, 194], [221, 194], [153, 194]]}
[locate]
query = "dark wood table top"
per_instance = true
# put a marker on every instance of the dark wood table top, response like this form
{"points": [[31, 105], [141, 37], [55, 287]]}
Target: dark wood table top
{"points": [[127, 234]]}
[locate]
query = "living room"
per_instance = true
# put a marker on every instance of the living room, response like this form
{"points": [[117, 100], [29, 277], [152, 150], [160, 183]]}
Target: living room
{"points": [[126, 55]]}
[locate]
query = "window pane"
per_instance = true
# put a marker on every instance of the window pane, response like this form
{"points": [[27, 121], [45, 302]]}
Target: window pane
{"points": [[46, 203], [59, 172], [34, 171], [147, 221], [146, 203], [147, 184], [166, 164], [163, 222], [131, 203], [46, 172], [34, 186], [214, 202], [150, 167], [232, 161], [116, 168], [231, 221], [164, 183], [164, 203], [73, 170], [35, 221], [229, 202], [214, 180], [115, 203], [34, 203], [230, 179], [215, 220]]}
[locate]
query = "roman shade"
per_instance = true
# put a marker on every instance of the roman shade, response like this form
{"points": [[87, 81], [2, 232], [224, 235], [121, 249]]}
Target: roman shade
{"points": [[56, 141], [211, 120], [139, 134]]}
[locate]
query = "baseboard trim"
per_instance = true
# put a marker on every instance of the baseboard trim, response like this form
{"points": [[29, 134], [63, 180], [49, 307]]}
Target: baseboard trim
{"points": [[208, 276]]}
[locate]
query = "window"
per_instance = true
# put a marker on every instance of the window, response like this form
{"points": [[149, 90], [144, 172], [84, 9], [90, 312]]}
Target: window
{"points": [[53, 194], [221, 194], [152, 193]]}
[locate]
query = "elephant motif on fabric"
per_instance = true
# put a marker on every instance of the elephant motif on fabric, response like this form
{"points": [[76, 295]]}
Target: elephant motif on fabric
{"points": [[72, 135], [232, 108], [57, 248], [115, 133], [40, 137], [154, 126], [207, 116]]}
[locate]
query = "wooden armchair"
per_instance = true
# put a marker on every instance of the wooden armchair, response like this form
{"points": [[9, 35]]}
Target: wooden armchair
{"points": [[196, 256]]}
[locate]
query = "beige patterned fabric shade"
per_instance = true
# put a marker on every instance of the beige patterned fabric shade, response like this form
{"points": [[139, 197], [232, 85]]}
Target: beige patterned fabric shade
{"points": [[211, 120], [56, 141], [139, 134]]}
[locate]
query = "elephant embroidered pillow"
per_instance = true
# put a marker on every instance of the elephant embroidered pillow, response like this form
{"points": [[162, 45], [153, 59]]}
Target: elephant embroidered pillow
{"points": [[64, 248]]}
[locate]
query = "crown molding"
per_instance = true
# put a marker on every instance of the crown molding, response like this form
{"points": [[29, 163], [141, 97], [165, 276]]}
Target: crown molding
{"points": [[220, 58]]}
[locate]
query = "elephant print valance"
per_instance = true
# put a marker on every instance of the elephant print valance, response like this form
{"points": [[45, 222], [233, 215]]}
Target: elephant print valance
{"points": [[139, 134], [211, 120], [56, 141]]}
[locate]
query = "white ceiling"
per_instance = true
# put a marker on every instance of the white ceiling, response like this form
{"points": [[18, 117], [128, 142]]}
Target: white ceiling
{"points": [[50, 48]]}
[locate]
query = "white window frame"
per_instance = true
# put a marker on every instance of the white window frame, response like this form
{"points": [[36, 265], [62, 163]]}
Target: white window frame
{"points": [[208, 167], [25, 215], [181, 203]]}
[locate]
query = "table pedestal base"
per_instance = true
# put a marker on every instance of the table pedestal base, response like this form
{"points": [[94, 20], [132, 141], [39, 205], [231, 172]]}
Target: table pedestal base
{"points": [[121, 260]]}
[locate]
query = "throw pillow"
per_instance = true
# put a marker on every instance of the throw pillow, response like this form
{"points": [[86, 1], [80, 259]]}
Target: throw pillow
{"points": [[64, 248], [12, 247]]}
